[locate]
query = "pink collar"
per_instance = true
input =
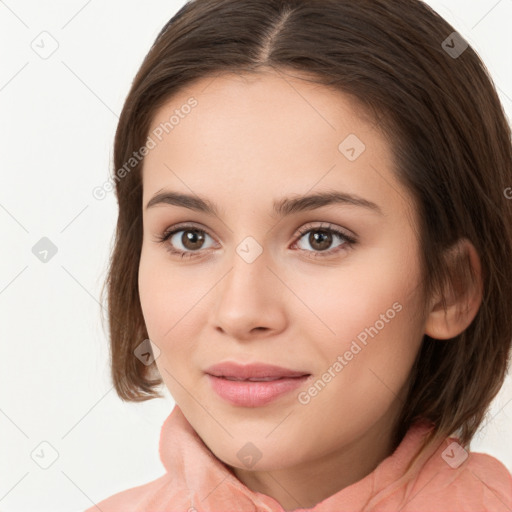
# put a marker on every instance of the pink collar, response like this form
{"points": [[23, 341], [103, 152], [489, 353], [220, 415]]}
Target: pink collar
{"points": [[211, 484]]}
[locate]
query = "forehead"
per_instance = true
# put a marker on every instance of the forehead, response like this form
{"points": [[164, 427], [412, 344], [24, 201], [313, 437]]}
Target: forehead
{"points": [[236, 137], [271, 105]]}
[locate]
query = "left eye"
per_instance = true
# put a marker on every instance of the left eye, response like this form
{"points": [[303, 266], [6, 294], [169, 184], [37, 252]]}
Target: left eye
{"points": [[321, 238]]}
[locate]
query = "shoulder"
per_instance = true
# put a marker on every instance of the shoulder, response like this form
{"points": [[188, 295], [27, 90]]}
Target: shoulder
{"points": [[491, 475], [152, 495], [457, 480]]}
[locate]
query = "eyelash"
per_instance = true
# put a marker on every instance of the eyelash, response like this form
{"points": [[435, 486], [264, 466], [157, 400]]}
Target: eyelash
{"points": [[349, 241]]}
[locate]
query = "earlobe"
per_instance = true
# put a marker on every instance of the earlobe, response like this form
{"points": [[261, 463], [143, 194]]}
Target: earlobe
{"points": [[463, 296]]}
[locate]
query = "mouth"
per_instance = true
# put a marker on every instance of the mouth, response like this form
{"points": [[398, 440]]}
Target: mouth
{"points": [[259, 379], [253, 385], [254, 371]]}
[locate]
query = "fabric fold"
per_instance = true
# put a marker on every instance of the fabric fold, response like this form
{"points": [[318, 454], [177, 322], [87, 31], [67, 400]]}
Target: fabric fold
{"points": [[197, 481]]}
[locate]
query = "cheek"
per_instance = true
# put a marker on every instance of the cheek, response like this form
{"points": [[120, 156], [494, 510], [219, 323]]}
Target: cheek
{"points": [[366, 364], [346, 300], [164, 295], [162, 309], [171, 305], [152, 286], [370, 316]]}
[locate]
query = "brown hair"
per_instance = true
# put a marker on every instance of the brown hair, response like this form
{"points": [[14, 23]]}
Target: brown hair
{"points": [[448, 133]]}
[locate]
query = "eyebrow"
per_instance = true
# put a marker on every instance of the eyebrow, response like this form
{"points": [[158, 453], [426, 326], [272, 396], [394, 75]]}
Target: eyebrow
{"points": [[282, 207]]}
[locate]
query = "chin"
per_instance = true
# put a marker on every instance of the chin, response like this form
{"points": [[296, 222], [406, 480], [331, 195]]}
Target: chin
{"points": [[251, 457]]}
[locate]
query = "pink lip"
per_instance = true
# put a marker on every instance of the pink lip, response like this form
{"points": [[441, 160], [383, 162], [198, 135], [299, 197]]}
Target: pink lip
{"points": [[247, 393], [240, 371]]}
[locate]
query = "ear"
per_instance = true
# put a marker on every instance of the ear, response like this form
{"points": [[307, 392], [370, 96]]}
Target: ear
{"points": [[463, 295]]}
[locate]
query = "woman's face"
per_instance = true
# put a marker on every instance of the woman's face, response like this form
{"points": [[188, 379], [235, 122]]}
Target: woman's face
{"points": [[264, 282]]}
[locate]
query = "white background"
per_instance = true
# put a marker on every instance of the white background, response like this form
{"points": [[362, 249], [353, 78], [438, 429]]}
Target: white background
{"points": [[58, 118]]}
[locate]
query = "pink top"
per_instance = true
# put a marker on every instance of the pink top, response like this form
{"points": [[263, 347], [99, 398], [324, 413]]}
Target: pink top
{"points": [[446, 479]]}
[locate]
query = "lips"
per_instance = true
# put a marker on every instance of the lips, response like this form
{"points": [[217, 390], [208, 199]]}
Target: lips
{"points": [[252, 379], [253, 385], [255, 372]]}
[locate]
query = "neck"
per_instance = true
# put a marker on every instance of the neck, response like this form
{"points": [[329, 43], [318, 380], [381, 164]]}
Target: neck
{"points": [[307, 484]]}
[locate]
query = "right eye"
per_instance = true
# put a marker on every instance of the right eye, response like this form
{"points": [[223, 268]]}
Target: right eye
{"points": [[191, 240]]}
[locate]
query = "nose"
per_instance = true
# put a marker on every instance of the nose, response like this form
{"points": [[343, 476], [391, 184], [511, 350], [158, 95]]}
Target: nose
{"points": [[249, 299]]}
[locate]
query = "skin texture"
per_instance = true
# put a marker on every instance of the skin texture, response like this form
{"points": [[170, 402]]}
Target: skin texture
{"points": [[249, 141]]}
